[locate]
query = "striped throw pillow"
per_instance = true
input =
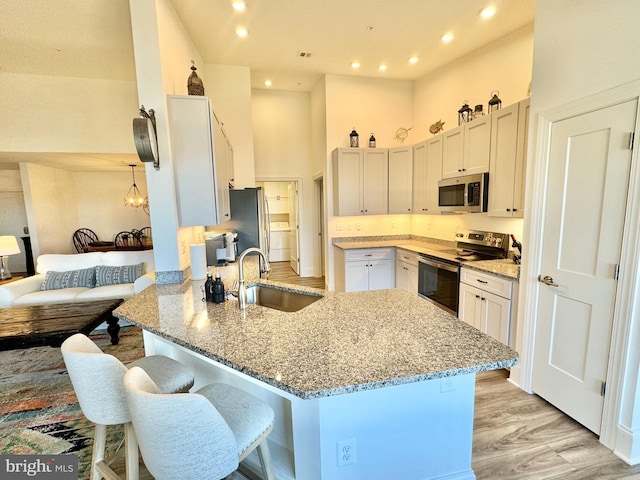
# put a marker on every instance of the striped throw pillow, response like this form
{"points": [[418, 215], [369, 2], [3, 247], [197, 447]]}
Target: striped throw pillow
{"points": [[117, 275], [85, 277]]}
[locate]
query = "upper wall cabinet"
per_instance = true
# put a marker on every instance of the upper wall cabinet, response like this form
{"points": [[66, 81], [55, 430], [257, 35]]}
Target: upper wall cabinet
{"points": [[427, 170], [465, 150], [360, 181], [203, 161], [401, 179], [509, 128]]}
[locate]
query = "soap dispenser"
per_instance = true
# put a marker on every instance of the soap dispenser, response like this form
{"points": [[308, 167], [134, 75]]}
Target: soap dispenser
{"points": [[218, 289], [208, 287]]}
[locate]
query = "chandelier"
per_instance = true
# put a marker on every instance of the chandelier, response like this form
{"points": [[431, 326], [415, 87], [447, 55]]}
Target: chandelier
{"points": [[134, 198]]}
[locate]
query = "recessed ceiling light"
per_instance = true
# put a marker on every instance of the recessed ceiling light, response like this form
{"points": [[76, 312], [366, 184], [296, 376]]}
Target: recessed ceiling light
{"points": [[413, 59], [242, 32], [239, 5], [267, 83], [488, 12], [447, 37], [382, 67], [355, 64]]}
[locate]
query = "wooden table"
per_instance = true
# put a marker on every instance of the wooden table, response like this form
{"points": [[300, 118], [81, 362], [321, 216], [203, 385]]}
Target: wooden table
{"points": [[37, 325], [146, 245]]}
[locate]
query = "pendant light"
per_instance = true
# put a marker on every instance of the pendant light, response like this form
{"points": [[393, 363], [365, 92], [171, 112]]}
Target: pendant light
{"points": [[133, 198]]}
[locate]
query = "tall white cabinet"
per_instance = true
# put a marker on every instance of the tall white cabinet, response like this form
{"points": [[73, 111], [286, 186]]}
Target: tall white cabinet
{"points": [[203, 161], [509, 130], [401, 179], [360, 181], [427, 171]]}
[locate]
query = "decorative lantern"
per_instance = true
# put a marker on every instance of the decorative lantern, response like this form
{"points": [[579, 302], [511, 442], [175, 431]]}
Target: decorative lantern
{"points": [[194, 83], [372, 141], [354, 138], [477, 112], [495, 103], [464, 114]]}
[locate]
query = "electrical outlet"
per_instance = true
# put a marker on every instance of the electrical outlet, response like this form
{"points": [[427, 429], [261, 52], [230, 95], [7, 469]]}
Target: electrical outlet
{"points": [[348, 225], [393, 224], [346, 452], [358, 226], [338, 227], [447, 384]]}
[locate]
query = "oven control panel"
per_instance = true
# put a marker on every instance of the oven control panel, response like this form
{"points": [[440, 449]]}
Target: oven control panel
{"points": [[488, 239]]}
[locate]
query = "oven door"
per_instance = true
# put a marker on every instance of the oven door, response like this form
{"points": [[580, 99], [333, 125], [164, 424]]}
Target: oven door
{"points": [[438, 282]]}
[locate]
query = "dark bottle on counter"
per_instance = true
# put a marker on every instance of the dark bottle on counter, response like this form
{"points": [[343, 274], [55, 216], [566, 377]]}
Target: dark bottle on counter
{"points": [[218, 289], [208, 287]]}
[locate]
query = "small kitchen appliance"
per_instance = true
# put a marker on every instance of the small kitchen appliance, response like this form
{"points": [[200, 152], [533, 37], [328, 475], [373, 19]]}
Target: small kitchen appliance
{"points": [[439, 270], [221, 247]]}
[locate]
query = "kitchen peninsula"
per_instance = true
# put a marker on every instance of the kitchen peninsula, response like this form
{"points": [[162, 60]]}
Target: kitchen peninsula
{"points": [[364, 385]]}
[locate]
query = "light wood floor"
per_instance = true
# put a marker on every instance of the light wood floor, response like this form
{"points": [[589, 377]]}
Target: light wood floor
{"points": [[282, 272], [520, 436]]}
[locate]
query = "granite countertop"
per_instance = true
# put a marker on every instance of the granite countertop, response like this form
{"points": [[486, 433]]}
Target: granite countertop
{"points": [[342, 343], [505, 268]]}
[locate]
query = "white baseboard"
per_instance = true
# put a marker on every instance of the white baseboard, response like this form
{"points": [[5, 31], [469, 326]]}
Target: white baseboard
{"points": [[628, 445]]}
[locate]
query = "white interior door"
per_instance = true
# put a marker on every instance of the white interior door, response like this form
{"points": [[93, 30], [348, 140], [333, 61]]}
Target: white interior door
{"points": [[294, 224], [585, 205]]}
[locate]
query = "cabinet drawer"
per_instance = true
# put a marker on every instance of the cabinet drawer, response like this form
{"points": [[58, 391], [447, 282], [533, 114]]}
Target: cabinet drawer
{"points": [[406, 256], [488, 283], [368, 254]]}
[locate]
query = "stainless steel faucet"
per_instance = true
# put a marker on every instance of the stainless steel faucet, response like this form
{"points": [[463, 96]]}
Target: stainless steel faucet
{"points": [[242, 291]]}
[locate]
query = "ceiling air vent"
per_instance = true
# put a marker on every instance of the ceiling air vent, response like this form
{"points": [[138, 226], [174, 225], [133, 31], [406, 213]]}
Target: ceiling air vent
{"points": [[304, 54]]}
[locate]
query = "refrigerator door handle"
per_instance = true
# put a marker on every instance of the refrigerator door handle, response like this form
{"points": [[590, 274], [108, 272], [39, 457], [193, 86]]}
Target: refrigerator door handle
{"points": [[267, 227]]}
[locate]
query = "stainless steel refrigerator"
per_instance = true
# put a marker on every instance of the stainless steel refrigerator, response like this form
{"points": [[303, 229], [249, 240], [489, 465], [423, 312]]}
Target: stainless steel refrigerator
{"points": [[249, 219]]}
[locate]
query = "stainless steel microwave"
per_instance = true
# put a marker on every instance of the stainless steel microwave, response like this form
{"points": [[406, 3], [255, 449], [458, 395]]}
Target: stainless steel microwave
{"points": [[467, 194]]}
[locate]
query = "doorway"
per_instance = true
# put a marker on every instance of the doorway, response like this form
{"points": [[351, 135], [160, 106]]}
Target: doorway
{"points": [[283, 218]]}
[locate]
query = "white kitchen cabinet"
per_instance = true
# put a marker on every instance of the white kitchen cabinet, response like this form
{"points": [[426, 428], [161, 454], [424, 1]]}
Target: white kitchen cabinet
{"points": [[400, 179], [466, 149], [200, 158], [509, 128], [487, 302], [360, 181], [277, 194], [364, 269], [407, 270], [427, 171]]}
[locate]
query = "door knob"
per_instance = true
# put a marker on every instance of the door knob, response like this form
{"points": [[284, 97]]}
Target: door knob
{"points": [[547, 280]]}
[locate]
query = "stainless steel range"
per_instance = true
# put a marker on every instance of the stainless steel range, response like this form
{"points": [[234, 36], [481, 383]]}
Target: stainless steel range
{"points": [[439, 270]]}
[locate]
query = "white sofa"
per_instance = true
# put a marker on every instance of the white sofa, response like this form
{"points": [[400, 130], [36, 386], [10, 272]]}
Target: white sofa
{"points": [[27, 291]]}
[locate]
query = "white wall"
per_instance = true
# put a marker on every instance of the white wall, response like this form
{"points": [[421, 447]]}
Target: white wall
{"points": [[62, 114], [282, 143], [504, 65]]}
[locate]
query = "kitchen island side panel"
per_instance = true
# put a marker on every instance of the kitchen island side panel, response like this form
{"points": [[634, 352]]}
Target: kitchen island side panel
{"points": [[421, 430]]}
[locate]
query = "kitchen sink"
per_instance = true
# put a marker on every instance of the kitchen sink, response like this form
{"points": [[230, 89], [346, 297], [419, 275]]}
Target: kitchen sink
{"points": [[283, 300]]}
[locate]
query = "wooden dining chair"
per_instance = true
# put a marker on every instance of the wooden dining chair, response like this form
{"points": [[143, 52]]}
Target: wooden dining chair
{"points": [[127, 240], [146, 232], [82, 238]]}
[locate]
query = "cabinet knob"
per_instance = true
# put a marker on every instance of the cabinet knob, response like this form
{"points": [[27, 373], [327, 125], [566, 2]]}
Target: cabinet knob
{"points": [[477, 296], [464, 169], [482, 298], [515, 209], [508, 209]]}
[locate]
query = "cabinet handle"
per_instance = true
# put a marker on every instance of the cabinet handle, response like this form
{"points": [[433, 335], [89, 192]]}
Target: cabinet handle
{"points": [[477, 296], [515, 209], [482, 298], [481, 281], [508, 209], [464, 169]]}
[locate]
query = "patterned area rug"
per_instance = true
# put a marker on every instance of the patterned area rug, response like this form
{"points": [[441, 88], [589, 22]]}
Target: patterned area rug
{"points": [[39, 412]]}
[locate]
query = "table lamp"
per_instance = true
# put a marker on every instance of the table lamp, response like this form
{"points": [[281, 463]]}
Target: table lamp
{"points": [[8, 246]]}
